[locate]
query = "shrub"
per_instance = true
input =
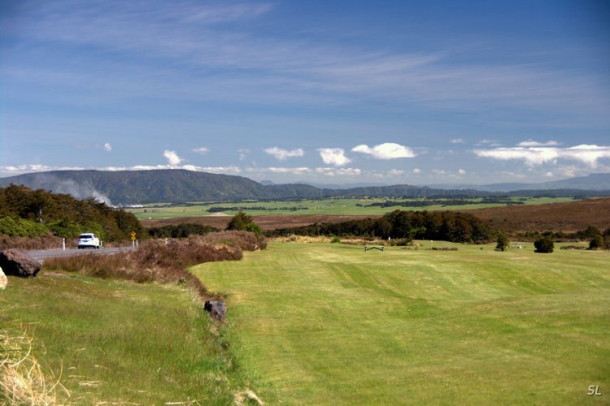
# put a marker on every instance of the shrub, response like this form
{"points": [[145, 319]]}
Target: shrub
{"points": [[335, 240], [503, 243], [544, 245], [157, 261], [597, 242]]}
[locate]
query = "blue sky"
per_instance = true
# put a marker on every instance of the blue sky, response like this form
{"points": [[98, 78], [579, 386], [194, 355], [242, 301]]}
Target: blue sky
{"points": [[329, 92]]}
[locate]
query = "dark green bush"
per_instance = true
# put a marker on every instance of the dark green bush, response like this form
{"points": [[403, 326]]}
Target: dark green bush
{"points": [[544, 245]]}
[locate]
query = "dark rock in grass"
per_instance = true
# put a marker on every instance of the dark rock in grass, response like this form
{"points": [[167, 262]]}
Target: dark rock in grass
{"points": [[19, 263], [216, 308]]}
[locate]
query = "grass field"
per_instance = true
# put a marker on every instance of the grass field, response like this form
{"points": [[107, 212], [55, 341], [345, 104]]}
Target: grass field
{"points": [[330, 324], [121, 343], [324, 206]]}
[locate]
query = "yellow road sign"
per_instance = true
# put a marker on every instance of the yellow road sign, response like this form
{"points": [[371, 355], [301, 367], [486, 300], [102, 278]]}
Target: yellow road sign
{"points": [[133, 235]]}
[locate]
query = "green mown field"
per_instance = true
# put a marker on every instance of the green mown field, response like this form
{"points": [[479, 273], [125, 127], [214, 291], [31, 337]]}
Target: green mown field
{"points": [[326, 324]]}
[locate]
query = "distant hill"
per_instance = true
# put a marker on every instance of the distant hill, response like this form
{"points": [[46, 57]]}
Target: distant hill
{"points": [[179, 186], [592, 182]]}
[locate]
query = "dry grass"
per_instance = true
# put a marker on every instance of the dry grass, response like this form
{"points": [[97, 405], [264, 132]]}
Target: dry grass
{"points": [[22, 379], [33, 243], [164, 261]]}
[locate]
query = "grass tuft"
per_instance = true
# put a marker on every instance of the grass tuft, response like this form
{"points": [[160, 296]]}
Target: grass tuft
{"points": [[22, 379]]}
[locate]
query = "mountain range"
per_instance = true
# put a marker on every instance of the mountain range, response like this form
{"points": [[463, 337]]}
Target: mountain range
{"points": [[179, 186]]}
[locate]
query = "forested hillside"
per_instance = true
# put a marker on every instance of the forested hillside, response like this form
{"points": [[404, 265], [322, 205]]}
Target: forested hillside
{"points": [[31, 213], [180, 186]]}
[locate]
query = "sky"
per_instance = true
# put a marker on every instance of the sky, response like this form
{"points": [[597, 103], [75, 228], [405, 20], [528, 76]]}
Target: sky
{"points": [[323, 92]]}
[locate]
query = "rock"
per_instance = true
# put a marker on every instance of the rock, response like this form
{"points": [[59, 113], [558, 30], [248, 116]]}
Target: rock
{"points": [[216, 308], [19, 263], [3, 280]]}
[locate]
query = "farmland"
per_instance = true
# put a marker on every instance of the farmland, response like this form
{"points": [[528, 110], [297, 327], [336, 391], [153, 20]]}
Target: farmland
{"points": [[534, 215], [331, 324], [346, 207]]}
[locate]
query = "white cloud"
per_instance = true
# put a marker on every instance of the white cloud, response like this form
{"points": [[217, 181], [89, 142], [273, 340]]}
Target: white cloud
{"points": [[457, 141], [334, 156], [532, 143], [283, 154], [107, 147], [339, 171], [243, 153], [396, 172], [201, 150], [417, 171], [534, 155], [172, 157], [462, 171], [388, 150], [293, 171]]}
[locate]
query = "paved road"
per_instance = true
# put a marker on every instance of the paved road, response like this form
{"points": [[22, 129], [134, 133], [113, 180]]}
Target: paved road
{"points": [[41, 255]]}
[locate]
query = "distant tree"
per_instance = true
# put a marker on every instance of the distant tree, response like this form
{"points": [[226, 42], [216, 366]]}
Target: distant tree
{"points": [[544, 245], [597, 242], [242, 222], [589, 233], [502, 243]]}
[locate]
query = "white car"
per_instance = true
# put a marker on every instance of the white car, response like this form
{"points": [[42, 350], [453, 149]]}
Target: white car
{"points": [[88, 240]]}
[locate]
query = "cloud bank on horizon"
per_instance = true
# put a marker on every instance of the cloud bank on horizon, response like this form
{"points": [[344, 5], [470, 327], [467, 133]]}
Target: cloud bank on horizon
{"points": [[404, 92]]}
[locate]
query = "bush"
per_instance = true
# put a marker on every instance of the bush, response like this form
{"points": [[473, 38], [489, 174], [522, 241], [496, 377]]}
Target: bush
{"points": [[544, 245], [503, 243], [335, 240], [597, 242]]}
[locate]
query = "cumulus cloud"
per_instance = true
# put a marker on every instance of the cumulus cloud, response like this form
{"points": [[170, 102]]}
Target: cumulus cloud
{"points": [[457, 141], [107, 147], [172, 157], [334, 156], [462, 171], [283, 154], [388, 150], [417, 171], [537, 155], [201, 150]]}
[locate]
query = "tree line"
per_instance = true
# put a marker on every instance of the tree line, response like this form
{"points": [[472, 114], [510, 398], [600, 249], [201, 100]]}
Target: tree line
{"points": [[408, 225], [33, 213]]}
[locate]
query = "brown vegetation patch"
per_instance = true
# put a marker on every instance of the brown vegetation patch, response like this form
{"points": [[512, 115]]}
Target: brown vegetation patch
{"points": [[558, 217], [265, 222], [161, 261]]}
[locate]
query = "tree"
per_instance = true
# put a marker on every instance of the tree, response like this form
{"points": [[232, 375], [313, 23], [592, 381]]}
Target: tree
{"points": [[544, 245], [503, 243], [597, 242], [242, 222]]}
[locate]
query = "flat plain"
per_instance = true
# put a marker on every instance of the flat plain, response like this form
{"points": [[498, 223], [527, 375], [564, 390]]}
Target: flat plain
{"points": [[320, 323]]}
